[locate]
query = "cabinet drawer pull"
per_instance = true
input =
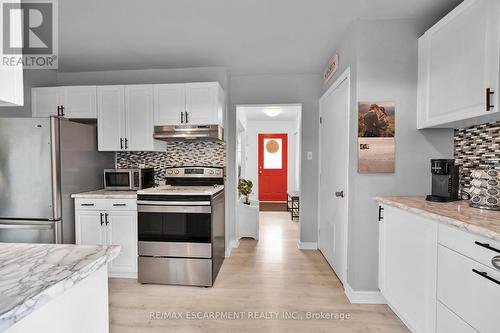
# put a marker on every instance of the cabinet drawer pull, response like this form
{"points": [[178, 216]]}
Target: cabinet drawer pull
{"points": [[119, 205], [182, 117], [101, 215], [121, 143], [487, 246], [485, 275], [187, 121], [126, 143], [496, 262], [87, 204], [489, 93]]}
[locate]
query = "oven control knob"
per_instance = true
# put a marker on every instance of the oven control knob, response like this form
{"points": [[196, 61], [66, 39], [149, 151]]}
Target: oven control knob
{"points": [[211, 172], [176, 172], [217, 172], [169, 172]]}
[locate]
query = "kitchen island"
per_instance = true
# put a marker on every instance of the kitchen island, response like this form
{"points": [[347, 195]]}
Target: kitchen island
{"points": [[54, 288]]}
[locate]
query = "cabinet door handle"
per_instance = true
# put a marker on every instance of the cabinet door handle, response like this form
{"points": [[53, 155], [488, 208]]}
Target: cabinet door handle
{"points": [[58, 110], [106, 218], [485, 275], [380, 213], [496, 262], [489, 93], [182, 117], [101, 215], [121, 143], [126, 143], [187, 120], [87, 204], [62, 110], [487, 246], [119, 205]]}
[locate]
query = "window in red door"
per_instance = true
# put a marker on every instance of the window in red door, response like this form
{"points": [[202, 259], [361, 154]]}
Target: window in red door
{"points": [[273, 167]]}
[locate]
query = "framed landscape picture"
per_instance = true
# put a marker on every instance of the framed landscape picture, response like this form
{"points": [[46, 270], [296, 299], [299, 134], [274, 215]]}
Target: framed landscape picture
{"points": [[376, 131]]}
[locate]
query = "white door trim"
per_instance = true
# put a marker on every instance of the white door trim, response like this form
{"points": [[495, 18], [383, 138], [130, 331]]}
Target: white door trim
{"points": [[346, 75]]}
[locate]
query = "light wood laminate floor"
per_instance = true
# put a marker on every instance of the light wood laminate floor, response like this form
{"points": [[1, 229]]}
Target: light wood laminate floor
{"points": [[270, 275]]}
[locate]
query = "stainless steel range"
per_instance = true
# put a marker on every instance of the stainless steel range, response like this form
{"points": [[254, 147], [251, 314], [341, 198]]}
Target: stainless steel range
{"points": [[182, 228]]}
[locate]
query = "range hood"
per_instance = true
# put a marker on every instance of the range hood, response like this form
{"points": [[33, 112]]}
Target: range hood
{"points": [[189, 132]]}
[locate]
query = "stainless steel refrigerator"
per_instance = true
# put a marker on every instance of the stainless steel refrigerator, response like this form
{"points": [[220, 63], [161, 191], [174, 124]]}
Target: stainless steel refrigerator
{"points": [[42, 162]]}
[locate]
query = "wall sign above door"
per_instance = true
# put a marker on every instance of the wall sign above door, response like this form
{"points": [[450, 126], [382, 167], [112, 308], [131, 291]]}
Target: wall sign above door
{"points": [[331, 68]]}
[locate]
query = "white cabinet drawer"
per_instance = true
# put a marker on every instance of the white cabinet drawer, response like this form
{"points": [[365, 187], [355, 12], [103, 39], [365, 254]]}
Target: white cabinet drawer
{"points": [[90, 204], [471, 296], [465, 243], [448, 322], [121, 204]]}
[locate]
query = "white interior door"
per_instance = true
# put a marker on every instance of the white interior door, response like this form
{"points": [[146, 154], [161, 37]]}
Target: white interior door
{"points": [[334, 110]]}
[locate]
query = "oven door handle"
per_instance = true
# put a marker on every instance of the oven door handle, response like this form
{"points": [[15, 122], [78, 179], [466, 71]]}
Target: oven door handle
{"points": [[174, 209], [173, 203]]}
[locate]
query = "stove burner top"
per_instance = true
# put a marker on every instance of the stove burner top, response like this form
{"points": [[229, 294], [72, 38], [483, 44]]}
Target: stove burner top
{"points": [[182, 190]]}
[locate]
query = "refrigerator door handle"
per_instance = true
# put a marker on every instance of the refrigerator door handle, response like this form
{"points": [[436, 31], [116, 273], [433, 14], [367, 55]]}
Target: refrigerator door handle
{"points": [[26, 226]]}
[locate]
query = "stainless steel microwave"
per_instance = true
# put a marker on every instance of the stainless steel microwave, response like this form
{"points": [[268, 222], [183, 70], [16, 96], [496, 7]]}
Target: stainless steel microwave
{"points": [[128, 179]]}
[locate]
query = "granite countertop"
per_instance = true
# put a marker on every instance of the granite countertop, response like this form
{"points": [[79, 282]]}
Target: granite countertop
{"points": [[31, 275], [105, 194], [458, 214]]}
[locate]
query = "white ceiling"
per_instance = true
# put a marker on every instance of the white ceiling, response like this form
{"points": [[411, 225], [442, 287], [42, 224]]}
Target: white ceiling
{"points": [[246, 36], [257, 112]]}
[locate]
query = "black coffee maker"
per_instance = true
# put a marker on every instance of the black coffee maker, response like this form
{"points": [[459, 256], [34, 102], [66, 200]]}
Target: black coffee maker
{"points": [[445, 181]]}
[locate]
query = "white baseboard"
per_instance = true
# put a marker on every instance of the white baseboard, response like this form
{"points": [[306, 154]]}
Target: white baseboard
{"points": [[364, 297], [234, 244], [307, 245]]}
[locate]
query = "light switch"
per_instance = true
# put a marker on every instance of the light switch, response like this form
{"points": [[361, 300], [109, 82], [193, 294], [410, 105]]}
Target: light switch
{"points": [[309, 155]]}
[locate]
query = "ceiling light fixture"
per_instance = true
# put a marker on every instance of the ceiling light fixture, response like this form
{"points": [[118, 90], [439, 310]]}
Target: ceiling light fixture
{"points": [[272, 111]]}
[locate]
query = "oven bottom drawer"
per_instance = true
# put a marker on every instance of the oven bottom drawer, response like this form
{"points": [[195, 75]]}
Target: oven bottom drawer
{"points": [[180, 271], [175, 249]]}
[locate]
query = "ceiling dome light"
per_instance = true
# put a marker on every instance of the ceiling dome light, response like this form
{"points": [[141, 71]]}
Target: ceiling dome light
{"points": [[272, 111]]}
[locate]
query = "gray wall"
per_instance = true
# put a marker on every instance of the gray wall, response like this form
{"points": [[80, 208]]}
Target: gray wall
{"points": [[281, 89], [383, 58], [31, 78]]}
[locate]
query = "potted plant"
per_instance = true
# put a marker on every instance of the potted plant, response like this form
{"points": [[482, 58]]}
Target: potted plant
{"points": [[245, 187]]}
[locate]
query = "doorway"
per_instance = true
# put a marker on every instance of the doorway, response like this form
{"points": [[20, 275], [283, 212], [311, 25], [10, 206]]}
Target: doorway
{"points": [[333, 179], [268, 153]]}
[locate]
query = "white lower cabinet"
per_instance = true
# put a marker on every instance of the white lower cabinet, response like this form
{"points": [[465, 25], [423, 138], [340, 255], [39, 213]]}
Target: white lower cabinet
{"points": [[448, 322], [408, 267], [438, 278], [110, 227]]}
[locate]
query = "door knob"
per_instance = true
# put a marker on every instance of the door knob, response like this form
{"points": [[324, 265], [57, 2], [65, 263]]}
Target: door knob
{"points": [[339, 194]]}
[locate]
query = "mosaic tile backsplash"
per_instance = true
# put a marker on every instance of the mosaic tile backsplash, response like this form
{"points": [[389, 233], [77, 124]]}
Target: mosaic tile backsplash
{"points": [[178, 153], [477, 147]]}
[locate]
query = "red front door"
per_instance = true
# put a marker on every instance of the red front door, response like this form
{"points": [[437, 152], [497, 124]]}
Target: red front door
{"points": [[273, 167]]}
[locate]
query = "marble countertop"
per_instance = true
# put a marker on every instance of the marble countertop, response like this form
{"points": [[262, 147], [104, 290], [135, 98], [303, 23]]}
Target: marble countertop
{"points": [[31, 275], [105, 194], [458, 214]]}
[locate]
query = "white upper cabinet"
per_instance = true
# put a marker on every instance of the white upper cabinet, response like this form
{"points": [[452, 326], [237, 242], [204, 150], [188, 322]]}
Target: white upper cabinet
{"points": [[110, 118], [189, 104], [45, 101], [11, 78], [459, 66], [139, 118], [125, 118], [203, 103], [73, 102], [79, 102], [169, 104]]}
